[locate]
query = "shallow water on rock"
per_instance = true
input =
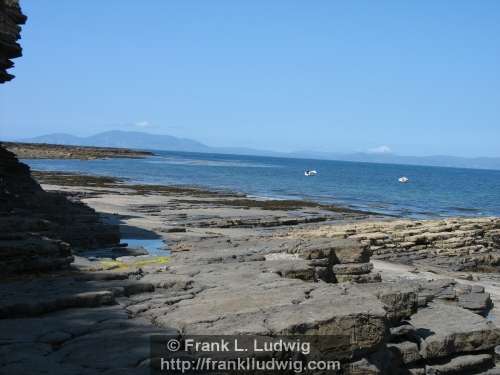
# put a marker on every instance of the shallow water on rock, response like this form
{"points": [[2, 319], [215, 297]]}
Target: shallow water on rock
{"points": [[154, 247], [136, 247]]}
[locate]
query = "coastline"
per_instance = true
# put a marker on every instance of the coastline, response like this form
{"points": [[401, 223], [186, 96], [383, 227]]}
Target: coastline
{"points": [[454, 244], [244, 268], [70, 152], [375, 189], [225, 197], [427, 196], [135, 262]]}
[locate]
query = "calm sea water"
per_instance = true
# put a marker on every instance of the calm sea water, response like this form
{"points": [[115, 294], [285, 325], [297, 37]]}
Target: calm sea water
{"points": [[432, 191]]}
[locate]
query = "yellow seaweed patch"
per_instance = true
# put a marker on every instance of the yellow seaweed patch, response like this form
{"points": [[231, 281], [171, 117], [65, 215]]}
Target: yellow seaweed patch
{"points": [[151, 261], [141, 262], [112, 264]]}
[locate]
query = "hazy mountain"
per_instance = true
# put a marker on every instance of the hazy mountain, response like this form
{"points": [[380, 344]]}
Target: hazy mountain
{"points": [[140, 140], [126, 139]]}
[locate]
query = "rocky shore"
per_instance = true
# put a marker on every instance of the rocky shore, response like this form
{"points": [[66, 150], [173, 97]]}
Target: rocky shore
{"points": [[249, 268], [454, 244], [50, 151], [400, 297]]}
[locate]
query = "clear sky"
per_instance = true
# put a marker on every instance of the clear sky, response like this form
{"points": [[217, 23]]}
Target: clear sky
{"points": [[413, 77]]}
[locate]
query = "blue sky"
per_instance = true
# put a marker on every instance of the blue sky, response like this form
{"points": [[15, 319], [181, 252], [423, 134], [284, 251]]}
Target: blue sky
{"points": [[410, 77]]}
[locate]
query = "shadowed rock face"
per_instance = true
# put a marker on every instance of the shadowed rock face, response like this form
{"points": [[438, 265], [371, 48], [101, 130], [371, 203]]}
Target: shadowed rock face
{"points": [[15, 183], [10, 32], [37, 226]]}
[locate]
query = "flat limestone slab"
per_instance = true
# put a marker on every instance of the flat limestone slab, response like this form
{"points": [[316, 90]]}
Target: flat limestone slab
{"points": [[270, 305], [447, 329]]}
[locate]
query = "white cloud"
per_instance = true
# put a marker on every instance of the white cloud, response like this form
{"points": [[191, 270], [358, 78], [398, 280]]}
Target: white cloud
{"points": [[380, 150], [143, 124]]}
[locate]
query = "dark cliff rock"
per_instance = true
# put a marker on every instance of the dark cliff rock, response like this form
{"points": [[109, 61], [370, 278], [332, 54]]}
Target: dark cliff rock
{"points": [[15, 183], [37, 228], [10, 32]]}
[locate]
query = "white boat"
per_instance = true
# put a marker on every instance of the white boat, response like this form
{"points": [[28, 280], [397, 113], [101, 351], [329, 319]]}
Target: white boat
{"points": [[403, 179], [310, 173]]}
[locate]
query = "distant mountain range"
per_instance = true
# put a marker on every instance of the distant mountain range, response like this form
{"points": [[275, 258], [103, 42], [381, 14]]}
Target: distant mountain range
{"points": [[125, 139], [147, 141], [143, 141]]}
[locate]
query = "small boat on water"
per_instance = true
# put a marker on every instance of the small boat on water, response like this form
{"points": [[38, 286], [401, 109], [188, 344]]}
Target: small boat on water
{"points": [[310, 173], [403, 179]]}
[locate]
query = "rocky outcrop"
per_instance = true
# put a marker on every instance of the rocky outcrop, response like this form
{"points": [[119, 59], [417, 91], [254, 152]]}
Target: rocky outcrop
{"points": [[38, 227], [389, 329], [445, 330], [10, 32], [438, 339], [458, 244], [451, 340], [31, 253], [333, 261]]}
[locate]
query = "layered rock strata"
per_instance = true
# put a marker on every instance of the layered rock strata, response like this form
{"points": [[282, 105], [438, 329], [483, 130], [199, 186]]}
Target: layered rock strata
{"points": [[11, 18], [330, 261], [39, 228], [252, 291], [382, 328], [458, 244]]}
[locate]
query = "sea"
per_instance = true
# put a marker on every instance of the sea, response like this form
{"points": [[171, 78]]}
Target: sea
{"points": [[430, 193]]}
